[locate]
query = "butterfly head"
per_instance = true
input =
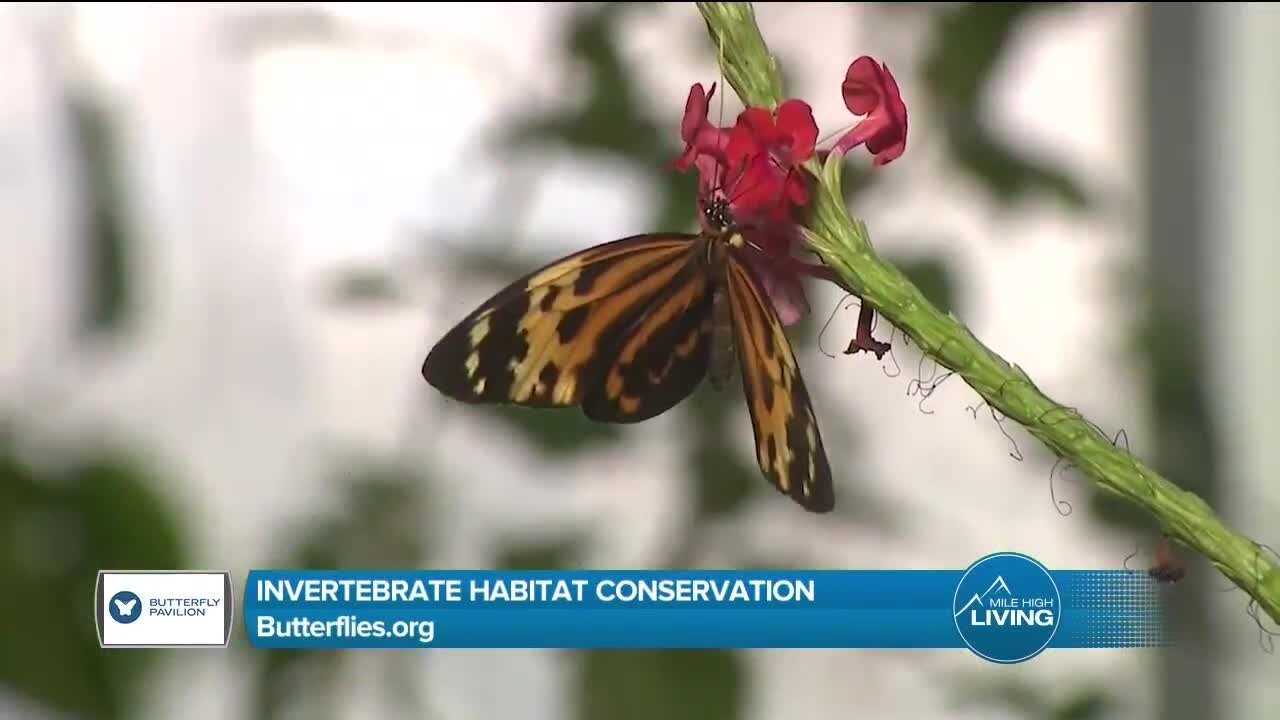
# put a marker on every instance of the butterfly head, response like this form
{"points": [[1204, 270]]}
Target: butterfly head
{"points": [[718, 215], [720, 223]]}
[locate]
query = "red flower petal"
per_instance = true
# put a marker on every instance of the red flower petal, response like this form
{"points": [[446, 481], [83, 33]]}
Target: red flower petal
{"points": [[863, 340], [696, 108], [786, 292], [763, 155], [795, 121], [862, 86], [869, 89], [760, 122], [699, 135], [744, 141]]}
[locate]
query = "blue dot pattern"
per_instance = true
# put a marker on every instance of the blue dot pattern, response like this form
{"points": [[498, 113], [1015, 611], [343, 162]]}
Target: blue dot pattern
{"points": [[1110, 609]]}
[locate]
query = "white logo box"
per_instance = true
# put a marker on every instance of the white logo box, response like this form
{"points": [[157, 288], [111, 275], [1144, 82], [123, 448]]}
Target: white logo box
{"points": [[163, 608]]}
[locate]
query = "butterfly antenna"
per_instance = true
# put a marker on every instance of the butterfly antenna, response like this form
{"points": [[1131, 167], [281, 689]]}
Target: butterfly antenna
{"points": [[833, 134], [721, 182], [722, 171]]}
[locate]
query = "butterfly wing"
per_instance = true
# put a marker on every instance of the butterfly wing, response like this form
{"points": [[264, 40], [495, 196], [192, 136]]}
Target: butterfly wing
{"points": [[789, 444], [659, 357], [617, 329]]}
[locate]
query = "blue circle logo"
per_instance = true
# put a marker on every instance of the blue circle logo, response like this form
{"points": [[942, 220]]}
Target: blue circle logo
{"points": [[125, 607], [1007, 608]]}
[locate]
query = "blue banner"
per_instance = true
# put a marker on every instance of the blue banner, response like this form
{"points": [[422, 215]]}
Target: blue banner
{"points": [[1005, 607]]}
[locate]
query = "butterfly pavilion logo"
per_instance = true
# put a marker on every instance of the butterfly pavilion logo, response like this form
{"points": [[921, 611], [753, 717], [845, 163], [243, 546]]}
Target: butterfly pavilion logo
{"points": [[125, 607], [163, 608], [1007, 608]]}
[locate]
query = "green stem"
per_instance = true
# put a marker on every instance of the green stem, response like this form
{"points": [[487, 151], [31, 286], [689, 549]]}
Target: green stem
{"points": [[845, 245]]}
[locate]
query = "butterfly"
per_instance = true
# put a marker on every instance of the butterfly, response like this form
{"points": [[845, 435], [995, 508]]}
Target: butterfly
{"points": [[628, 329]]}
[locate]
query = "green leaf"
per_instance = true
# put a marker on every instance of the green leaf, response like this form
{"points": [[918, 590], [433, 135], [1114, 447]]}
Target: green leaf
{"points": [[380, 524], [1186, 437], [489, 256], [1106, 507], [94, 142], [614, 119], [57, 530], [856, 179], [667, 684], [555, 431], [1085, 704], [1031, 700], [558, 554], [287, 679], [366, 286], [971, 39], [723, 480], [769, 563], [1009, 176]]}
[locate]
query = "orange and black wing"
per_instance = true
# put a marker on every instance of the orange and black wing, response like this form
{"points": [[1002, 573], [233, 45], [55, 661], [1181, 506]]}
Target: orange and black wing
{"points": [[619, 329], [789, 445]]}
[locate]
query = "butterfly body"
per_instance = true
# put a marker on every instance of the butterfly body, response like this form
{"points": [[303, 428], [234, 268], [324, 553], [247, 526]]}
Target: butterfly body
{"points": [[628, 329]]}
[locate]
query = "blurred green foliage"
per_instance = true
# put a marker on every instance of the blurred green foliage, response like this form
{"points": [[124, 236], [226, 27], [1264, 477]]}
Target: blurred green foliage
{"points": [[378, 525], [367, 287], [105, 210], [1190, 456], [972, 40], [1034, 701], [553, 554], [558, 432], [668, 684], [60, 523], [613, 120]]}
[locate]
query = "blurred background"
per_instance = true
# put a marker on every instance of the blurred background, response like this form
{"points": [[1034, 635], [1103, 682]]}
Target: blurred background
{"points": [[231, 232]]}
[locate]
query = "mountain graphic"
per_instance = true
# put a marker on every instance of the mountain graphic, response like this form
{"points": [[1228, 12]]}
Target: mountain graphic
{"points": [[997, 584]]}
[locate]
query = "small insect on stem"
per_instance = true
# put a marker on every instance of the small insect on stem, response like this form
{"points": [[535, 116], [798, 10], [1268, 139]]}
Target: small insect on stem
{"points": [[1168, 567]]}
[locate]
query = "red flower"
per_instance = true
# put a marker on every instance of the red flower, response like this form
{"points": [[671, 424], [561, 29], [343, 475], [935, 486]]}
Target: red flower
{"points": [[869, 89], [704, 143], [767, 152], [763, 163], [755, 167]]}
